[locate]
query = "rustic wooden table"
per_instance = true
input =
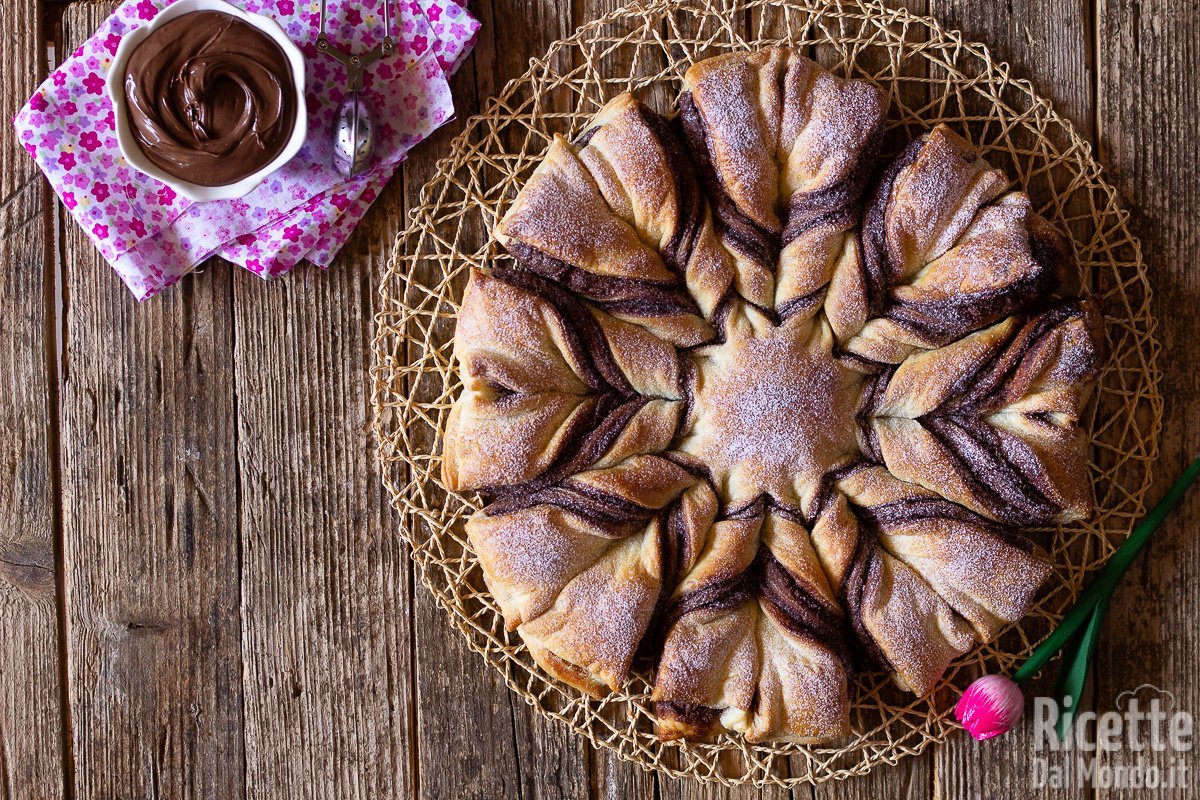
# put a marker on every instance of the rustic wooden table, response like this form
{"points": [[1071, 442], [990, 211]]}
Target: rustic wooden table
{"points": [[202, 592]]}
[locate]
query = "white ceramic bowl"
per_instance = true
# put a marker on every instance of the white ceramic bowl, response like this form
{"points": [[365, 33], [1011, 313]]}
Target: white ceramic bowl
{"points": [[128, 142]]}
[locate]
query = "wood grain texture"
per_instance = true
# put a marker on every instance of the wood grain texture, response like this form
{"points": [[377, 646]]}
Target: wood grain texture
{"points": [[477, 739], [912, 777], [240, 614], [1051, 45], [1147, 115], [325, 582], [31, 722], [150, 527], [611, 777]]}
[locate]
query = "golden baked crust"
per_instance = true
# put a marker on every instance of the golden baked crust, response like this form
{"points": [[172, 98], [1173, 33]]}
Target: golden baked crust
{"points": [[762, 409]]}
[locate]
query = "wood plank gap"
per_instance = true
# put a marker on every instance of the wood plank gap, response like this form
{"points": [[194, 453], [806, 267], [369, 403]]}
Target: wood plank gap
{"points": [[1097, 9], [512, 713], [5, 775], [1094, 11], [400, 180], [414, 738], [1093, 8], [50, 25], [54, 344], [241, 539]]}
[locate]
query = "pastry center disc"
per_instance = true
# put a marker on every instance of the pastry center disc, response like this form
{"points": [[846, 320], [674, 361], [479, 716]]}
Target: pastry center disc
{"points": [[771, 409]]}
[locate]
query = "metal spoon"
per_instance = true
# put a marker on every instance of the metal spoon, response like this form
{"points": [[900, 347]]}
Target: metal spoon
{"points": [[353, 128]]}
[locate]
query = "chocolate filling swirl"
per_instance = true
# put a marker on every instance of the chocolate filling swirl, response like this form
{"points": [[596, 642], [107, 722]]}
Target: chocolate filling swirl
{"points": [[752, 240], [876, 266], [988, 461], [605, 415], [615, 295]]}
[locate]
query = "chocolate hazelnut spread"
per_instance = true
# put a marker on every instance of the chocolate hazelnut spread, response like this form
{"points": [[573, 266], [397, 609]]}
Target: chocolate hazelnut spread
{"points": [[210, 98]]}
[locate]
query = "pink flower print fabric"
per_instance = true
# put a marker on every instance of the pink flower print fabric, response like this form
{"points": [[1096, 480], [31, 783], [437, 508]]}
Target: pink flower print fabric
{"points": [[304, 210]]}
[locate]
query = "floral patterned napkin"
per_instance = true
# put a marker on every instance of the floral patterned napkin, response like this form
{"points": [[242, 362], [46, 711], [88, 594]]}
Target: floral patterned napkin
{"points": [[304, 210]]}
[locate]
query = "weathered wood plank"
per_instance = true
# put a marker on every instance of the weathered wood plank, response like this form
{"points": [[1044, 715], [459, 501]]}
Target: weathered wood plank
{"points": [[609, 776], [912, 777], [688, 789], [521, 754], [1050, 44], [1148, 113], [328, 639], [150, 527], [31, 722], [613, 778], [326, 631]]}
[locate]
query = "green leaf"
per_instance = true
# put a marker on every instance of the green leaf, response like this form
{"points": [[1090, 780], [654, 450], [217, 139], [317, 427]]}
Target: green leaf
{"points": [[1102, 586], [1073, 672]]}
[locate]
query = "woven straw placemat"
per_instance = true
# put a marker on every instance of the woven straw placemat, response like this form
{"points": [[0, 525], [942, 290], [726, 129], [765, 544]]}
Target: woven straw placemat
{"points": [[932, 75]]}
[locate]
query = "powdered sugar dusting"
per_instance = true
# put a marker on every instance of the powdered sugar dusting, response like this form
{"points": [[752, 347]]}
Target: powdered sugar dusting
{"points": [[601, 615], [772, 411], [740, 105], [531, 554]]}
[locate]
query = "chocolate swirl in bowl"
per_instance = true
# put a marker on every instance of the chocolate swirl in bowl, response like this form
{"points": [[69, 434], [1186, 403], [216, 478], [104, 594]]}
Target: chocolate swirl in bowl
{"points": [[210, 98]]}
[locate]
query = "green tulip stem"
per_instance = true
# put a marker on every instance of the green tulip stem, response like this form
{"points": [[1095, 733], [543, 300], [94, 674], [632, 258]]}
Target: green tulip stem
{"points": [[1102, 587]]}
